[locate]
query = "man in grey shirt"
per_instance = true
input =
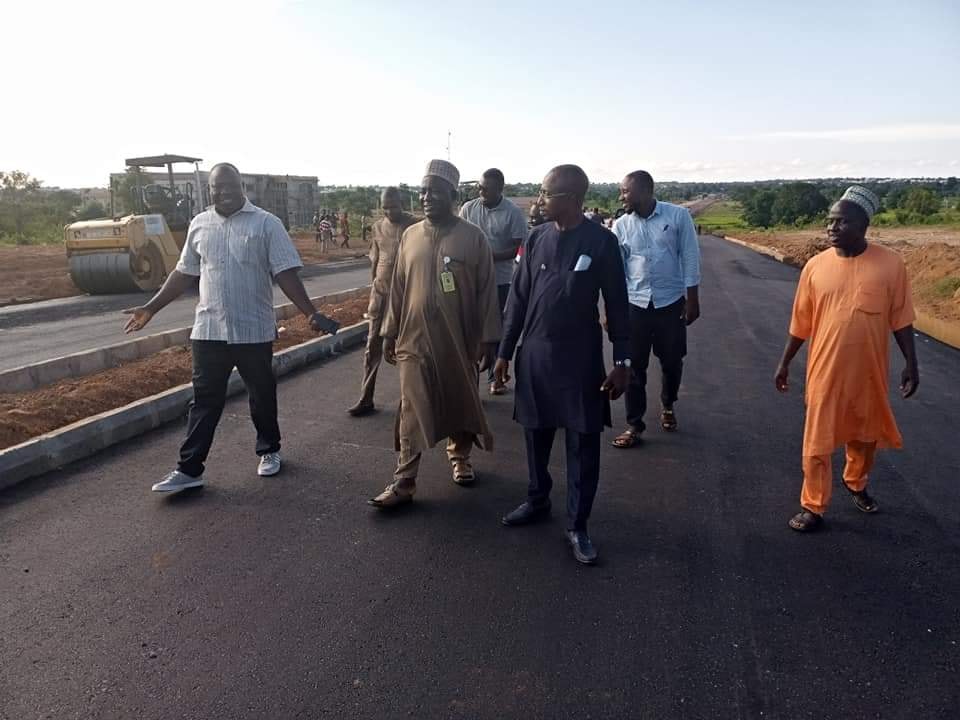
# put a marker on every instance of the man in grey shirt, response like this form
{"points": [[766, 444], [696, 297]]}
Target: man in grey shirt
{"points": [[235, 248], [506, 228]]}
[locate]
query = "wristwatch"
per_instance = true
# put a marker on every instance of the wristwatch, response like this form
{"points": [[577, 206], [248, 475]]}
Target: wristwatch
{"points": [[623, 363]]}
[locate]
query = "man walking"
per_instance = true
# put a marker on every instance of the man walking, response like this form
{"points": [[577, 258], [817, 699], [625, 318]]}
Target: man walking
{"points": [[849, 299], [506, 229], [442, 318], [561, 380], [661, 259], [383, 257], [235, 248], [345, 229]]}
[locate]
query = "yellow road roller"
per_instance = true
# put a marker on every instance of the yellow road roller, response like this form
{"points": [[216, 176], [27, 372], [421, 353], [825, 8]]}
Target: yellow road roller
{"points": [[136, 252]]}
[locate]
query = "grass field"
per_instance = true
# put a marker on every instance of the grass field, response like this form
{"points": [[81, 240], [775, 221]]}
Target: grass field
{"points": [[723, 216]]}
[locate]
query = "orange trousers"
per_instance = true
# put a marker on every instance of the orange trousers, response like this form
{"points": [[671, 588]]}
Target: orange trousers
{"points": [[818, 475]]}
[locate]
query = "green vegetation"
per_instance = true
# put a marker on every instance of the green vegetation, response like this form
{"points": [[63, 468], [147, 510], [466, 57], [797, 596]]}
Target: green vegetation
{"points": [[946, 287], [31, 214], [724, 216]]}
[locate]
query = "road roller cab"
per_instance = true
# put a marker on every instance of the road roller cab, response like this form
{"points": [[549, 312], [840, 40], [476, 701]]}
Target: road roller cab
{"points": [[127, 254], [136, 252]]}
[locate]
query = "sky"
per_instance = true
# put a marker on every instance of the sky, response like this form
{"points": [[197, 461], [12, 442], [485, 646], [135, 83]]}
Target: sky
{"points": [[365, 92]]}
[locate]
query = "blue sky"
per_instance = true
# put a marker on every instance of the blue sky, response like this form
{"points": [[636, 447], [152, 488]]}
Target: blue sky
{"points": [[364, 92]]}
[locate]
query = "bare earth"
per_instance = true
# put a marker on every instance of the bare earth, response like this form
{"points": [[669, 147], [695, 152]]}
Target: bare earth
{"points": [[29, 414], [932, 256], [29, 273]]}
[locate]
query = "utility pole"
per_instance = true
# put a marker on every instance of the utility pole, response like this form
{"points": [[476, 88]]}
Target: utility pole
{"points": [[448, 145]]}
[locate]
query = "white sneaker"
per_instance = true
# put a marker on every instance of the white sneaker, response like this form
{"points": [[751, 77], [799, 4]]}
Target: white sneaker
{"points": [[269, 464], [177, 481]]}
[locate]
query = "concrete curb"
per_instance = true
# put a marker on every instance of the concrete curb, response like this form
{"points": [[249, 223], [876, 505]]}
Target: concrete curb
{"points": [[946, 332], [31, 377], [91, 435]]}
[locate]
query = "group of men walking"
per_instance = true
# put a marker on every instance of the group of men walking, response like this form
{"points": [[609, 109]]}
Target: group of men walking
{"points": [[454, 296]]}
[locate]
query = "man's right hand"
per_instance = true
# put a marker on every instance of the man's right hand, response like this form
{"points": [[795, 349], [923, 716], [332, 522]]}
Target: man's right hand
{"points": [[141, 316], [501, 372], [780, 379], [390, 350]]}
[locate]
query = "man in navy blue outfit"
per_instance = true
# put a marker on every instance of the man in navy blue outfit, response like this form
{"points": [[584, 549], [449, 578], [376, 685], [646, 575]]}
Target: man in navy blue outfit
{"points": [[561, 381]]}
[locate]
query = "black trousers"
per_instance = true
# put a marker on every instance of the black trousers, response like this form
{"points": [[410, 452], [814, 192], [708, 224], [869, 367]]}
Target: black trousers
{"points": [[212, 364], [663, 330], [583, 471], [502, 292]]}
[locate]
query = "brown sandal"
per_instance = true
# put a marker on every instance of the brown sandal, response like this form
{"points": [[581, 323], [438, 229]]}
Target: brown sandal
{"points": [[627, 439], [668, 420], [463, 472]]}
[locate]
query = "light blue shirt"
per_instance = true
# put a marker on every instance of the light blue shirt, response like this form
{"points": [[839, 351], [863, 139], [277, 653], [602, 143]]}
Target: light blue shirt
{"points": [[236, 258], [661, 255]]}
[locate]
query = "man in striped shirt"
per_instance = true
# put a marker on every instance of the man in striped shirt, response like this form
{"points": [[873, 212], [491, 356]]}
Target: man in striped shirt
{"points": [[235, 248]]}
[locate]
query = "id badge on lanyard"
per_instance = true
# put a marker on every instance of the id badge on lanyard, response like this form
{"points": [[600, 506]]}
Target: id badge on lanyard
{"points": [[446, 277]]}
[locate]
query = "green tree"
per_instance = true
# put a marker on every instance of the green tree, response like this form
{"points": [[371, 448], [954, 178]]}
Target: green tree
{"points": [[798, 202], [922, 201], [92, 211], [19, 195], [758, 207]]}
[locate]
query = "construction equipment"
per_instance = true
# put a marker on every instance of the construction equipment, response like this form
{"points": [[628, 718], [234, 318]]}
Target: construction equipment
{"points": [[138, 251]]}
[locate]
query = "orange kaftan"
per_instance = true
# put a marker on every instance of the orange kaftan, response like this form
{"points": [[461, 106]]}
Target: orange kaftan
{"points": [[847, 308]]}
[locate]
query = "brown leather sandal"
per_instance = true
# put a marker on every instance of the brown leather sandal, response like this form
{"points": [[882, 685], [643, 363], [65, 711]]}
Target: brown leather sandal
{"points": [[668, 420], [627, 439]]}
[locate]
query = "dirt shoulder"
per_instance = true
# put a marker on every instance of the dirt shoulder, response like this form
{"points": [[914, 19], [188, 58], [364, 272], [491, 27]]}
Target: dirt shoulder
{"points": [[932, 256], [30, 273], [29, 414]]}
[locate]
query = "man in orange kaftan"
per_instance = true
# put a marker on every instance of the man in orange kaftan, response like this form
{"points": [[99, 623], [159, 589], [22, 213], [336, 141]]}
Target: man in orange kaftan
{"points": [[848, 299]]}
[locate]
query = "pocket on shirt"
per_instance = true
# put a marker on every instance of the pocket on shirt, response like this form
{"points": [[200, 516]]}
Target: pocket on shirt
{"points": [[244, 249], [870, 298]]}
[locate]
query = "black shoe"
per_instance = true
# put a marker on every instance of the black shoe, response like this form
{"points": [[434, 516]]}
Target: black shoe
{"points": [[864, 502], [527, 513], [583, 549], [361, 408]]}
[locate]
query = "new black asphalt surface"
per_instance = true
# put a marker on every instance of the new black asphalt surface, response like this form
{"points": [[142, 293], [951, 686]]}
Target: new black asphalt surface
{"points": [[290, 598], [44, 330]]}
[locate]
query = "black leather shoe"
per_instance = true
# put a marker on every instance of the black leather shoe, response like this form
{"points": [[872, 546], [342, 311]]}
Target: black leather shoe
{"points": [[526, 514], [583, 549], [361, 408]]}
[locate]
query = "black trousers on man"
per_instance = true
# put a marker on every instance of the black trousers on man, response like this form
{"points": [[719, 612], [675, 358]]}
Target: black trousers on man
{"points": [[583, 471], [663, 330], [503, 291], [213, 362]]}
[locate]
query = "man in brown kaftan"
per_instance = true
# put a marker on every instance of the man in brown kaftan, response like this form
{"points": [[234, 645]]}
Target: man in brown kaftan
{"points": [[442, 318]]}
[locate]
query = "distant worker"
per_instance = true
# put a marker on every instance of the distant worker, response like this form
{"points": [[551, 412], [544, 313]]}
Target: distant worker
{"points": [[506, 229], [383, 258], [849, 298], [236, 249], [326, 232], [345, 229], [661, 257], [316, 227], [597, 216], [442, 319], [363, 229]]}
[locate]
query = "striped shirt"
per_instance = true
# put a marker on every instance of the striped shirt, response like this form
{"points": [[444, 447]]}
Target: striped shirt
{"points": [[236, 258]]}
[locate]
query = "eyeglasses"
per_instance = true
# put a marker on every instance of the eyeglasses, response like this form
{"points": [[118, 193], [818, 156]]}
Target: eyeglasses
{"points": [[547, 195]]}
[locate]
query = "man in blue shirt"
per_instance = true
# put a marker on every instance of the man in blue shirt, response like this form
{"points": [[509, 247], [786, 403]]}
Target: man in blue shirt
{"points": [[661, 259]]}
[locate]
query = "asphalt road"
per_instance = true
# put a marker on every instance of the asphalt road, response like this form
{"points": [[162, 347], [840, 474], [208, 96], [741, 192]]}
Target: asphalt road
{"points": [[44, 330], [290, 598]]}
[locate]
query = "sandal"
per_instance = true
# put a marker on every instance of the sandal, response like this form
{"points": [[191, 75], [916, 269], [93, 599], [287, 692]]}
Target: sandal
{"points": [[627, 439], [463, 472], [806, 521], [864, 502], [668, 420]]}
